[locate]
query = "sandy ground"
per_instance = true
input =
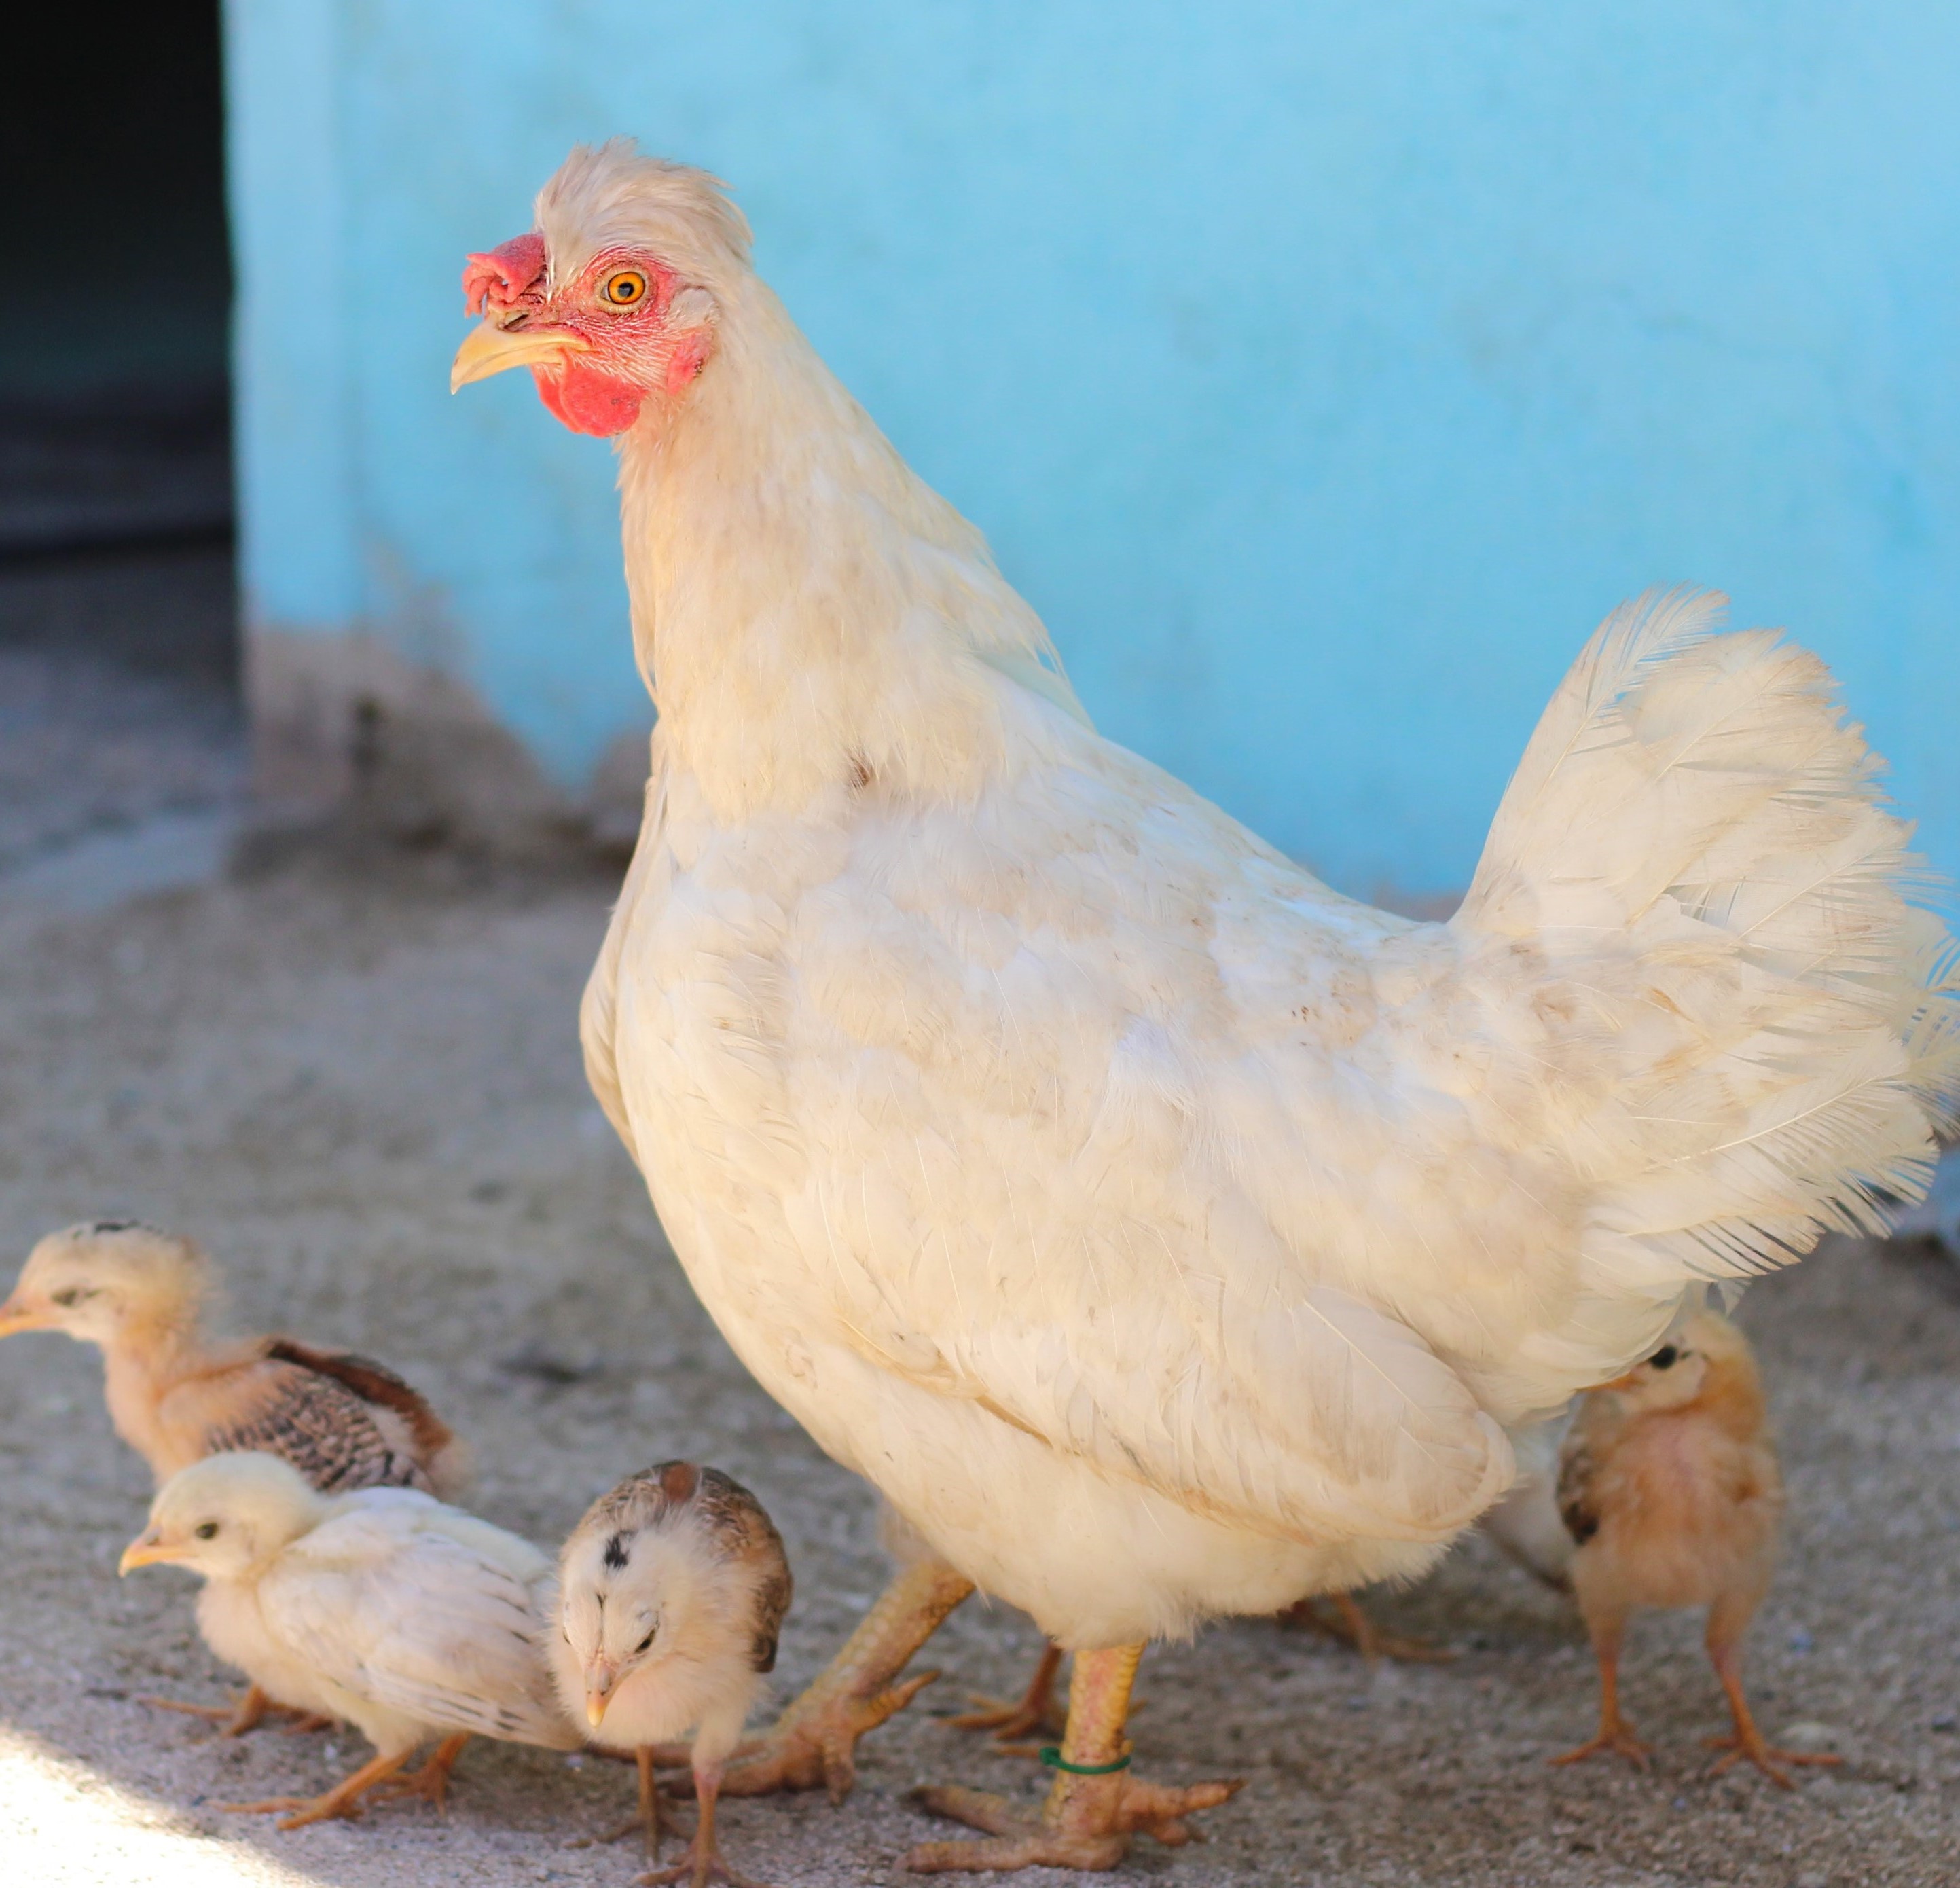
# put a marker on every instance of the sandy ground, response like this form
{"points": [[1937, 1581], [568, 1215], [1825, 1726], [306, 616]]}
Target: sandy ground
{"points": [[356, 1078]]}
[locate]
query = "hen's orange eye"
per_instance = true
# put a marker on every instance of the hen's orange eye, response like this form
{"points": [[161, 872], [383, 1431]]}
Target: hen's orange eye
{"points": [[623, 290]]}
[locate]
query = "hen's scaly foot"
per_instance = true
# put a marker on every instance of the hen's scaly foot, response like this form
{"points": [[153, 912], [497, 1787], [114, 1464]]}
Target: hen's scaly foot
{"points": [[1617, 1736], [1095, 1806], [1766, 1757], [1351, 1625], [1091, 1829], [1036, 1710], [815, 1740]]}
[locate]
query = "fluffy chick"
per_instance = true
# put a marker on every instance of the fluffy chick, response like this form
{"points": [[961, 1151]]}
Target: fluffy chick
{"points": [[386, 1607], [672, 1591], [1669, 1487], [176, 1396]]}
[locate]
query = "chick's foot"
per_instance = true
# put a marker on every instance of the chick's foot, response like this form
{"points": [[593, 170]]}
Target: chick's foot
{"points": [[251, 1711], [343, 1799], [1350, 1624], [1616, 1735], [431, 1781], [1766, 1757], [703, 1863]]}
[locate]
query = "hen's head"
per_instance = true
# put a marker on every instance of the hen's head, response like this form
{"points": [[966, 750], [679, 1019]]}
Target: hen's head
{"points": [[614, 299]]}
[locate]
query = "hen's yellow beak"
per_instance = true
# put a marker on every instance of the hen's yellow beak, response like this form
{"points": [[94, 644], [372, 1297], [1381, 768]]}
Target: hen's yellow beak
{"points": [[23, 1317], [488, 349], [146, 1550]]}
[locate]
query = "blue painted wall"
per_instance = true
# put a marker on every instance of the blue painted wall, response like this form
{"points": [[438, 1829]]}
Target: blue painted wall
{"points": [[1322, 370]]}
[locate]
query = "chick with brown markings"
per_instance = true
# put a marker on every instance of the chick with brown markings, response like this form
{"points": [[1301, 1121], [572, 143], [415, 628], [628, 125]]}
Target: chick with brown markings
{"points": [[1669, 1486], [177, 1395], [672, 1591]]}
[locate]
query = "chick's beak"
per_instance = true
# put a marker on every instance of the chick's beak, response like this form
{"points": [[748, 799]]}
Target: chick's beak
{"points": [[146, 1550], [488, 349], [600, 1677], [16, 1317]]}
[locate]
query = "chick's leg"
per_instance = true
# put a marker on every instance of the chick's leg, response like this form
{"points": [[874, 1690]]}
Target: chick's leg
{"points": [[344, 1799], [1352, 1626], [251, 1711], [703, 1863], [1747, 1744], [1615, 1734], [431, 1781], [813, 1742], [1035, 1710], [1094, 1808], [645, 1823]]}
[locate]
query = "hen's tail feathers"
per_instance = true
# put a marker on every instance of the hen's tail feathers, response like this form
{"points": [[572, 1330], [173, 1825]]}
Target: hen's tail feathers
{"points": [[1696, 855]]}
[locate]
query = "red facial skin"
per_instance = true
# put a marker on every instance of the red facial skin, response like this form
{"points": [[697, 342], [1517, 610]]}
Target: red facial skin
{"points": [[631, 352]]}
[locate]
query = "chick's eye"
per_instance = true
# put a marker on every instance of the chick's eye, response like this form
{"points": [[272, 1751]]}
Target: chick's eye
{"points": [[206, 1530], [73, 1295], [1665, 1357], [653, 1633], [624, 289]]}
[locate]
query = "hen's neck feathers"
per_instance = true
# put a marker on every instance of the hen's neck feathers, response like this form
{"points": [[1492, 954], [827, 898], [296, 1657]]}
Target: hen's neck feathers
{"points": [[809, 616]]}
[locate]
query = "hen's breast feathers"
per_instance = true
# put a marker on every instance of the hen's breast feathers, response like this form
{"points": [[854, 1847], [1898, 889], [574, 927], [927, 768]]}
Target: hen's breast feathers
{"points": [[1080, 1103]]}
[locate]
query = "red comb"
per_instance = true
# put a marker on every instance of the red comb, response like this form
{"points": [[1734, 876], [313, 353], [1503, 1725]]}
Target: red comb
{"points": [[507, 276]]}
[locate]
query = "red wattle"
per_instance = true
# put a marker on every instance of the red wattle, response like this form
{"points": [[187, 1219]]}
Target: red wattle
{"points": [[588, 401]]}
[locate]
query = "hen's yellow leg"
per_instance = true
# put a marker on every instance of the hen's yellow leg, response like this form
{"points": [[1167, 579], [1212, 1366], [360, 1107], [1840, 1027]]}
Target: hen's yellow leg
{"points": [[814, 1742], [1095, 1807]]}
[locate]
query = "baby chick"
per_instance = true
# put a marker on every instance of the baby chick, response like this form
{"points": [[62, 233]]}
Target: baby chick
{"points": [[671, 1594], [386, 1607], [1668, 1484], [175, 1396]]}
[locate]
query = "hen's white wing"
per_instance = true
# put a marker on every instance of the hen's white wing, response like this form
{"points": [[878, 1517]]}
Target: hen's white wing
{"points": [[397, 1598], [1077, 1101]]}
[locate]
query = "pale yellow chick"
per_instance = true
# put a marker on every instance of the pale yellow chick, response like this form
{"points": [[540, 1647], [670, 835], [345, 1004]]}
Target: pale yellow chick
{"points": [[386, 1607], [1669, 1486], [672, 1592], [177, 1395]]}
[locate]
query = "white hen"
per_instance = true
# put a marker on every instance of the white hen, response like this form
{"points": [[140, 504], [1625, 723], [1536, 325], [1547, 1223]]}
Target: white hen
{"points": [[1165, 1234]]}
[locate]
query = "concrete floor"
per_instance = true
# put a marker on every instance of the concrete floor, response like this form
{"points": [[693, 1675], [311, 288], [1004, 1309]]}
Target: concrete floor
{"points": [[355, 1078]]}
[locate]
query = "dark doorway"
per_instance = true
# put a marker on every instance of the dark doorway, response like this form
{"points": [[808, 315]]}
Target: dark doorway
{"points": [[113, 382], [118, 634]]}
